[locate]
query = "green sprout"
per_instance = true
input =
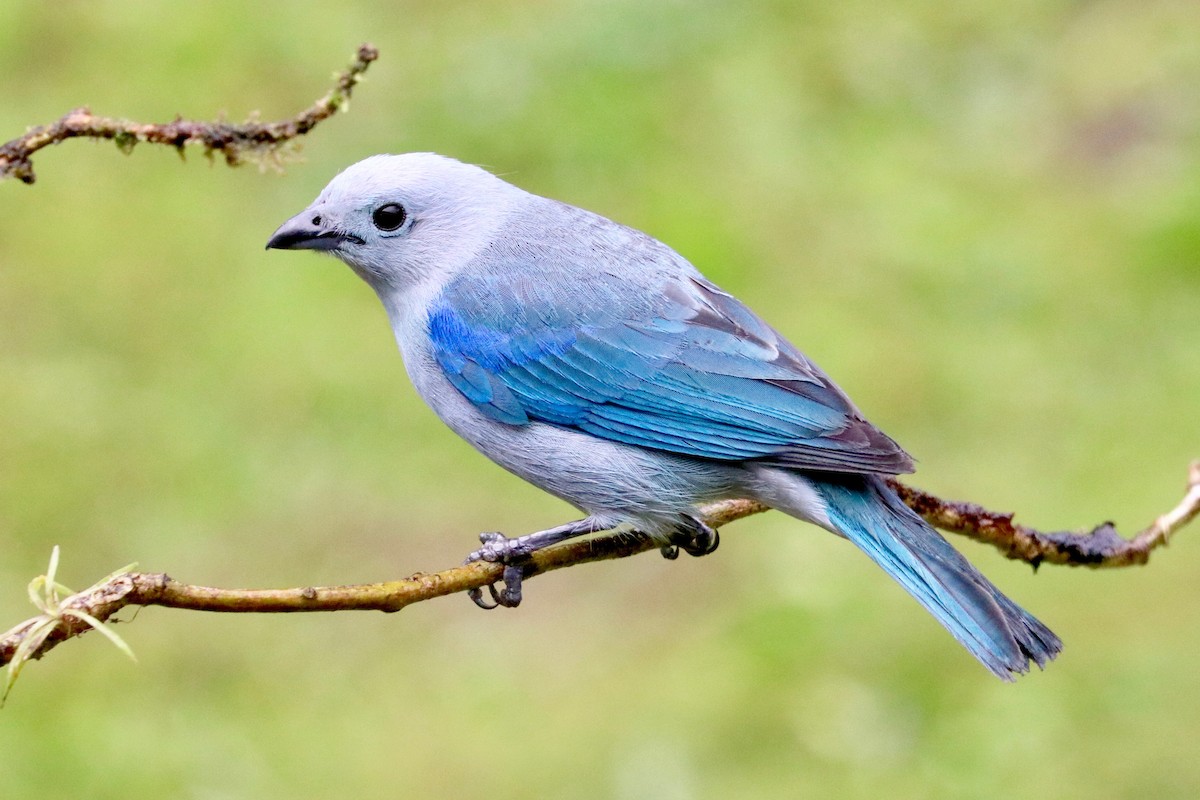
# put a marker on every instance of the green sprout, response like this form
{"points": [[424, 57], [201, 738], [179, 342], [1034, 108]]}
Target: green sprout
{"points": [[54, 601]]}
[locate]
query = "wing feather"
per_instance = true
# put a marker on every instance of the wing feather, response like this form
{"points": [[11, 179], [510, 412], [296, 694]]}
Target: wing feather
{"points": [[694, 373]]}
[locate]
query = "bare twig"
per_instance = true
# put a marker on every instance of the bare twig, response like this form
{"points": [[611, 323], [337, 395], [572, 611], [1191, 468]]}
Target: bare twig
{"points": [[1102, 547], [234, 142]]}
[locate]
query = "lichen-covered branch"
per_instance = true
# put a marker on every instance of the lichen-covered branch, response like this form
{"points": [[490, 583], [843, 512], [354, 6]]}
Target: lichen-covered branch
{"points": [[1102, 547], [235, 142]]}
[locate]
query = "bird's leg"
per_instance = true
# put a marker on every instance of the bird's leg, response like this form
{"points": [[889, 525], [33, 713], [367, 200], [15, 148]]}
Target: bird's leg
{"points": [[694, 536], [514, 555]]}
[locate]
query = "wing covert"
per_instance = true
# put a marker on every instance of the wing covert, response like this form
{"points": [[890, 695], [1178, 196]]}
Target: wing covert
{"points": [[696, 373]]}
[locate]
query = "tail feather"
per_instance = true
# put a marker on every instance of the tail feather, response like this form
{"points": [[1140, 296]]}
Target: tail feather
{"points": [[998, 632]]}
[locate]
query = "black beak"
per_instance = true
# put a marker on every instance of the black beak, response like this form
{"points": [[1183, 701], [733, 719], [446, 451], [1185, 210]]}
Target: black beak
{"points": [[308, 231]]}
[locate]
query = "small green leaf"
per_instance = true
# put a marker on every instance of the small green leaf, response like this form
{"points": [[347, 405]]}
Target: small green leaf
{"points": [[34, 638], [100, 627]]}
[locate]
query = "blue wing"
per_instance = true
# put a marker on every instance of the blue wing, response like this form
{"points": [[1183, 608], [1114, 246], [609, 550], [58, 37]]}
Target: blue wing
{"points": [[686, 369]]}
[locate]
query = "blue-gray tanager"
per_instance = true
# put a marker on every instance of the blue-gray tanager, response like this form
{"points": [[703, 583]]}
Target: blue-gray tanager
{"points": [[596, 363]]}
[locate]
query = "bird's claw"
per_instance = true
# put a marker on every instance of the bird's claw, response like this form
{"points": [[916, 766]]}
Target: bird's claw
{"points": [[703, 543], [499, 549], [695, 537], [476, 596]]}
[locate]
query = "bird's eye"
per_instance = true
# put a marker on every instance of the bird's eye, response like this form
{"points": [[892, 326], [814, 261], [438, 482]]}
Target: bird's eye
{"points": [[389, 217]]}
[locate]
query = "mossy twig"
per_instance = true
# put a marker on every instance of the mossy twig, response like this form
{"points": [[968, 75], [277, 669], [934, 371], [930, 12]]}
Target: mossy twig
{"points": [[235, 142]]}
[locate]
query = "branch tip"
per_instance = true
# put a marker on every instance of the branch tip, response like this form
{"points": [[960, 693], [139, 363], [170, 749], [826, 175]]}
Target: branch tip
{"points": [[236, 143]]}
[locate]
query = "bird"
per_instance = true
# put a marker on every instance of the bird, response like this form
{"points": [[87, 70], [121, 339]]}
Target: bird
{"points": [[595, 362]]}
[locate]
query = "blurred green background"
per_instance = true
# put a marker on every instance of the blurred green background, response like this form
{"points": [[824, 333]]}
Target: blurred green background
{"points": [[982, 218]]}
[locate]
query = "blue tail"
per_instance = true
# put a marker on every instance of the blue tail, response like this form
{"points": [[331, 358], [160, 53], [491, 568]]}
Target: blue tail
{"points": [[995, 629]]}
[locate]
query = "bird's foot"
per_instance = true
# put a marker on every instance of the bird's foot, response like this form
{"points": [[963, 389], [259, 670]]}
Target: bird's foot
{"points": [[498, 548], [694, 537], [514, 555]]}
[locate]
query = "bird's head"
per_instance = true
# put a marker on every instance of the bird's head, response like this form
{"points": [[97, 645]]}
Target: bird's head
{"points": [[400, 220]]}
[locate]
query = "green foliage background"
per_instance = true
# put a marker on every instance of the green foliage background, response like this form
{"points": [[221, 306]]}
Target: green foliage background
{"points": [[983, 218]]}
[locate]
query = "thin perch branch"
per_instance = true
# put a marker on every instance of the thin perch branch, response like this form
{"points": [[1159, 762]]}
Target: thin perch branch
{"points": [[1102, 547], [234, 142]]}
